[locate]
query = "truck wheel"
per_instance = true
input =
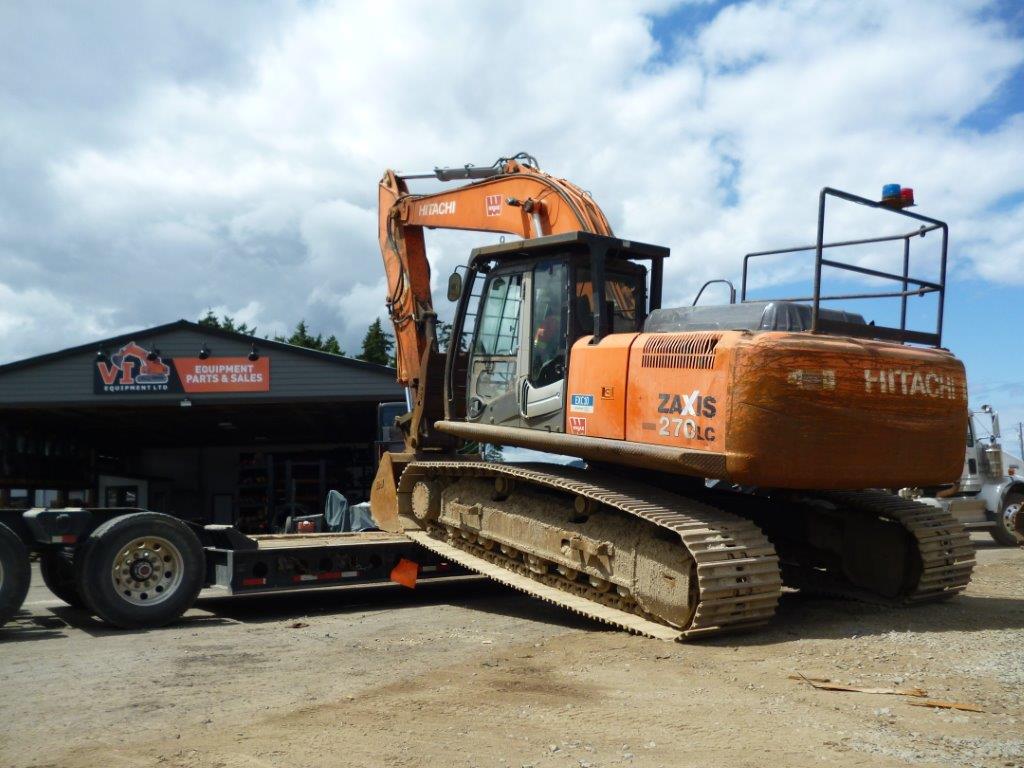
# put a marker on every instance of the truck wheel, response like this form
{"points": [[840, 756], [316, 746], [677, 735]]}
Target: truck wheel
{"points": [[1003, 533], [59, 576], [140, 570], [15, 573]]}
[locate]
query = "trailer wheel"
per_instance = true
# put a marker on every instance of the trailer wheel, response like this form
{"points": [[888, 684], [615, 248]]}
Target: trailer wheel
{"points": [[59, 576], [140, 570], [15, 573], [1003, 531]]}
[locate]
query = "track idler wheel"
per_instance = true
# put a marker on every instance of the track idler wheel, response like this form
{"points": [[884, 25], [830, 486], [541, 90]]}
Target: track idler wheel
{"points": [[426, 500], [665, 581]]}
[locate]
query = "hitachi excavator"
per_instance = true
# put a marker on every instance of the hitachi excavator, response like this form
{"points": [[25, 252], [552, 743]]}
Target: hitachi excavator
{"points": [[559, 343]]}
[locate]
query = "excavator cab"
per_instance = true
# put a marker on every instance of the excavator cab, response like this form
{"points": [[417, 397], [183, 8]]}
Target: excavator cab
{"points": [[522, 307]]}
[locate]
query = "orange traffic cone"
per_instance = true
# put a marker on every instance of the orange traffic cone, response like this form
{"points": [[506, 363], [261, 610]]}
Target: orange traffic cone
{"points": [[405, 573]]}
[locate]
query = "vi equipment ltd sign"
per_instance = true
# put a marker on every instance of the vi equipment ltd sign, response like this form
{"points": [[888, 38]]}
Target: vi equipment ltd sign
{"points": [[133, 369]]}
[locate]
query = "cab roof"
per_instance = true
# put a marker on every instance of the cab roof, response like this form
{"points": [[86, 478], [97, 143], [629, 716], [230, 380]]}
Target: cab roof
{"points": [[616, 247]]}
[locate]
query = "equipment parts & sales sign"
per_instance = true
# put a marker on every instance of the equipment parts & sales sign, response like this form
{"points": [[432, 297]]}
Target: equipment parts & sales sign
{"points": [[134, 369]]}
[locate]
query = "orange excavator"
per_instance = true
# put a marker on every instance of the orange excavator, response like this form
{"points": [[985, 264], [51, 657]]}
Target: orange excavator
{"points": [[728, 449]]}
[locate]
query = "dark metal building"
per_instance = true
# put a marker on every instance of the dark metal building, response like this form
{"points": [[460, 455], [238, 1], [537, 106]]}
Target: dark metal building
{"points": [[199, 422]]}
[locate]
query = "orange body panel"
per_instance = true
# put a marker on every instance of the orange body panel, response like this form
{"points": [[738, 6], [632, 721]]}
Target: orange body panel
{"points": [[788, 410], [678, 391], [597, 381]]}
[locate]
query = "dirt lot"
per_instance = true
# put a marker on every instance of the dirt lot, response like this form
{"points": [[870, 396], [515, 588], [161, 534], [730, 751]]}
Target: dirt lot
{"points": [[473, 675]]}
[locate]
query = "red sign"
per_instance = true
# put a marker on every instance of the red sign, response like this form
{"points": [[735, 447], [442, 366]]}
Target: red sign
{"points": [[492, 203], [578, 425], [223, 374]]}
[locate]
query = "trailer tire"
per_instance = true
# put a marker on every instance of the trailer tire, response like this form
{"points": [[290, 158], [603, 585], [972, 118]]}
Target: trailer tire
{"points": [[140, 571], [59, 576], [1002, 532], [15, 573]]}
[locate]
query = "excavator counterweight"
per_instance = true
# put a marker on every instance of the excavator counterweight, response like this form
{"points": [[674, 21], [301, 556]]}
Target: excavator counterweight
{"points": [[559, 343]]}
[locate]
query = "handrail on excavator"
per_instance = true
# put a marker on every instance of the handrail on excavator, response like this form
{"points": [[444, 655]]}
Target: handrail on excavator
{"points": [[920, 287]]}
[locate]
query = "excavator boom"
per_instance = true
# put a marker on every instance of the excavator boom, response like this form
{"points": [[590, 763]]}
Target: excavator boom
{"points": [[513, 197]]}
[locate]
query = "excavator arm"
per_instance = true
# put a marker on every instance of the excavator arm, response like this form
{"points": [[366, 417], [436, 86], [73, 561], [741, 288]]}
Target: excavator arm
{"points": [[513, 197]]}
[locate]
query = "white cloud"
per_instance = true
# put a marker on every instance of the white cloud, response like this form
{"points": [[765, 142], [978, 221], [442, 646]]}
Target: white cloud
{"points": [[259, 190], [36, 320]]}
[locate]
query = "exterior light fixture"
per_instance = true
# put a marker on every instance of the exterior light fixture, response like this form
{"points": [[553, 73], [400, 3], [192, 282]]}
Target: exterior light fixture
{"points": [[101, 356], [204, 352], [154, 355], [254, 354], [185, 403], [897, 196]]}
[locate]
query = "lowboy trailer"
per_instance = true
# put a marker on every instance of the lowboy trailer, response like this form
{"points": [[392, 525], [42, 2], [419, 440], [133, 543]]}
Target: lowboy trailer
{"points": [[139, 569]]}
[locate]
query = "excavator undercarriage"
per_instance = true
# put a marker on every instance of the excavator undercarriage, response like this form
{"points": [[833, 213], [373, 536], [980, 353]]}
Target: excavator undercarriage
{"points": [[625, 553], [671, 565]]}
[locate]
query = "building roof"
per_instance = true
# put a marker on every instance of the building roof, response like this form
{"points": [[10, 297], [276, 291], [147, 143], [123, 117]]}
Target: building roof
{"points": [[263, 344]]}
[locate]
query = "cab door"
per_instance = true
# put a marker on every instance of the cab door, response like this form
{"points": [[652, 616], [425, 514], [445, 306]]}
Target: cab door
{"points": [[496, 357], [542, 381]]}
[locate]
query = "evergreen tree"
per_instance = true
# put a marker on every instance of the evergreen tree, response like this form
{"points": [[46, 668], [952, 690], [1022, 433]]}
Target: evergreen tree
{"points": [[227, 323], [444, 337], [210, 319], [331, 345], [377, 345], [302, 337]]}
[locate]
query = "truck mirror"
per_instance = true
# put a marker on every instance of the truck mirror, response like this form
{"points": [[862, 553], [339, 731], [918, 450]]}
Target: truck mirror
{"points": [[454, 286]]}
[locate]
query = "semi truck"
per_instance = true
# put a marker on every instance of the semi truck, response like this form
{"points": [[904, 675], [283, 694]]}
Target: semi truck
{"points": [[989, 496]]}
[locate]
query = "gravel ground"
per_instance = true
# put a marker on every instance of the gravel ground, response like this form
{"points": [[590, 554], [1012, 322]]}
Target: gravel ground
{"points": [[469, 674]]}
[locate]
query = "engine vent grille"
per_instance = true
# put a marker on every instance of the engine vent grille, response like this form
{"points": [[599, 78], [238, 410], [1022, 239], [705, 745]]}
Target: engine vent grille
{"points": [[682, 350]]}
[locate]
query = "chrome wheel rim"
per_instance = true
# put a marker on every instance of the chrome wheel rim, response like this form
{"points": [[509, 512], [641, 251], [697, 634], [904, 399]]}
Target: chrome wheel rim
{"points": [[1008, 514], [147, 570]]}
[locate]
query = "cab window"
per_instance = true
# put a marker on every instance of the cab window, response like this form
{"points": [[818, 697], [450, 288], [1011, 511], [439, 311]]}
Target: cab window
{"points": [[499, 321], [550, 314], [620, 291]]}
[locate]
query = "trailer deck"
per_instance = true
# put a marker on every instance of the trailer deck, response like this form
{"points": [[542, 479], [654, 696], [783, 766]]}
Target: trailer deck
{"points": [[137, 569]]}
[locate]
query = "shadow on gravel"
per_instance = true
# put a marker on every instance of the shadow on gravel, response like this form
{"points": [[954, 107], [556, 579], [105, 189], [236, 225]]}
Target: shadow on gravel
{"points": [[24, 626], [474, 594], [798, 616]]}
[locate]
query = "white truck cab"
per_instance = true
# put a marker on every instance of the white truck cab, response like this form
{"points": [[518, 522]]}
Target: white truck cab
{"points": [[990, 492]]}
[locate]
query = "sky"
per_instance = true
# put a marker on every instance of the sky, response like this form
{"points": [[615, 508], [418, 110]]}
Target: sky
{"points": [[162, 159]]}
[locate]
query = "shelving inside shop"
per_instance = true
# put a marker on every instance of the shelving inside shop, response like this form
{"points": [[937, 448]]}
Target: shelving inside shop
{"points": [[298, 482]]}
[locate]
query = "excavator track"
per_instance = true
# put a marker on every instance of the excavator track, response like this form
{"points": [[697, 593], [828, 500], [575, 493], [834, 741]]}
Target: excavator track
{"points": [[940, 567], [737, 571]]}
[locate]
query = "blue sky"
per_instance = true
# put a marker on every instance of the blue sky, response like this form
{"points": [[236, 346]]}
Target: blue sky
{"points": [[160, 160]]}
